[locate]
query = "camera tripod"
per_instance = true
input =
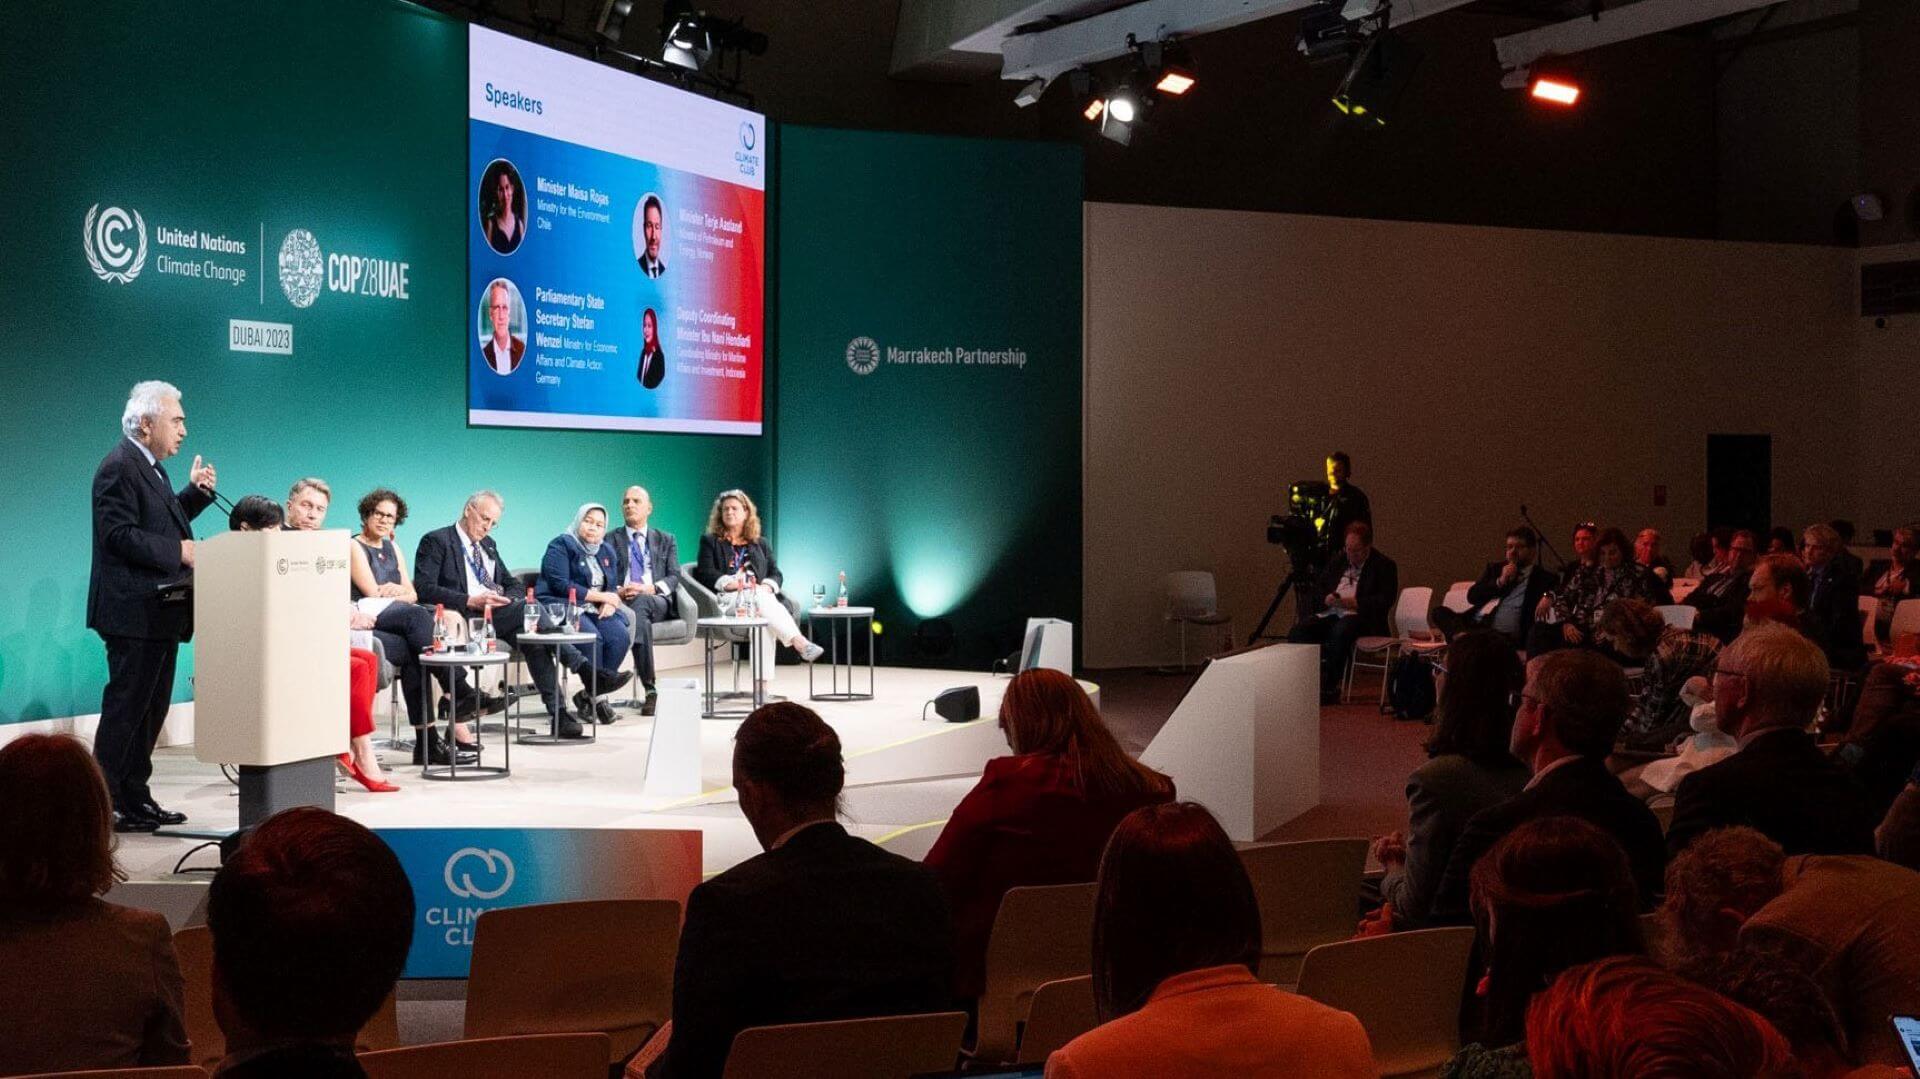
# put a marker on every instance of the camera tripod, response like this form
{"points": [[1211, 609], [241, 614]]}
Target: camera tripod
{"points": [[1297, 573]]}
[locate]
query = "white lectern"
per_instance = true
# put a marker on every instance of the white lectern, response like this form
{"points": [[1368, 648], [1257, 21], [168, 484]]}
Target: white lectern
{"points": [[270, 663]]}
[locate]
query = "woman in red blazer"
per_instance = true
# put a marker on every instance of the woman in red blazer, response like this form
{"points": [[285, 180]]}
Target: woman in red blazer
{"points": [[1041, 816]]}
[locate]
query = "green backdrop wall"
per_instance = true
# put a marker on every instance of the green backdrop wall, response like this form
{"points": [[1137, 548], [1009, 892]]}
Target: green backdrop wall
{"points": [[246, 121], [945, 479]]}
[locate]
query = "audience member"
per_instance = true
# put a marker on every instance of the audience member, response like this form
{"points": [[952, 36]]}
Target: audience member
{"points": [[735, 554], [1780, 541], [1850, 921], [1721, 597], [89, 984], [649, 561], [1570, 713], [1469, 768], [1897, 839], [1882, 742], [1833, 598], [461, 569], [1777, 593], [1667, 656], [1555, 893], [1892, 579], [311, 918], [1702, 549], [824, 925], [579, 568], [1506, 595], [1646, 552], [1546, 634], [1176, 939], [1793, 1002], [1589, 587], [1849, 561], [1626, 1018], [1041, 816], [1356, 591], [1767, 688]]}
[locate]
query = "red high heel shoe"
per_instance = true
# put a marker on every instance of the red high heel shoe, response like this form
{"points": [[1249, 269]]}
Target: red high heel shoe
{"points": [[354, 773]]}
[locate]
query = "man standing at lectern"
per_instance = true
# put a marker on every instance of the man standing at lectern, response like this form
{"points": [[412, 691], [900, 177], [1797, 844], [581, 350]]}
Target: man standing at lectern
{"points": [[142, 539]]}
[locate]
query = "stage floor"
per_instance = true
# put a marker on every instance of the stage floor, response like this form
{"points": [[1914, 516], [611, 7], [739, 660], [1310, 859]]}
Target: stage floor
{"points": [[904, 777]]}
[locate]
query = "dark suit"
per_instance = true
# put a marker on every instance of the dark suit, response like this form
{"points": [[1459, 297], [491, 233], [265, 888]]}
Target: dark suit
{"points": [[138, 524], [651, 267], [1782, 784], [1374, 595], [1584, 789], [1833, 605], [1722, 602], [717, 561], [1347, 506], [651, 368], [564, 571], [828, 926], [440, 577], [663, 561], [1488, 589], [519, 349]]}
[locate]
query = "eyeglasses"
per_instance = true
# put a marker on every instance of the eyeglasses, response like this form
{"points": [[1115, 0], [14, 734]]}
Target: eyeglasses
{"points": [[382, 515]]}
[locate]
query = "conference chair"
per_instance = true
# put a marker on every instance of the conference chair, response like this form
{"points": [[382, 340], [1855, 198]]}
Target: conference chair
{"points": [[601, 965], [1906, 619], [1456, 598], [707, 605], [888, 1047], [1405, 988], [1040, 934], [1308, 894], [668, 632], [1062, 1011], [193, 950], [1412, 634], [550, 1056], [1678, 615], [1192, 601], [177, 1071]]}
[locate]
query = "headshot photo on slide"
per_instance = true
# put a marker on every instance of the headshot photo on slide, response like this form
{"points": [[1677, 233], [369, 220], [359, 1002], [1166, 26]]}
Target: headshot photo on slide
{"points": [[503, 206], [653, 362], [650, 235], [502, 326]]}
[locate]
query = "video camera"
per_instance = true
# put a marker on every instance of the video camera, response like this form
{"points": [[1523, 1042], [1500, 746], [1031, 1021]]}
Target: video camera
{"points": [[1302, 530]]}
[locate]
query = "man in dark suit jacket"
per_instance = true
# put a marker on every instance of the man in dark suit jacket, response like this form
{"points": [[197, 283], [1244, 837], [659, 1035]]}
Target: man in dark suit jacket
{"points": [[459, 566], [1355, 592], [1721, 598], [1505, 596], [1570, 713], [1767, 687], [142, 539], [650, 577], [1833, 598], [822, 926]]}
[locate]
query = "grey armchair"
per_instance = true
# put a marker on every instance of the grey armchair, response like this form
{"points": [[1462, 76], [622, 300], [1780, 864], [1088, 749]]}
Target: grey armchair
{"points": [[708, 606]]}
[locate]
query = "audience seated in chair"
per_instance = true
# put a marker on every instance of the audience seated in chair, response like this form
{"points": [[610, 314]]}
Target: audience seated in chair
{"points": [[1646, 553], [1852, 922], [87, 984], [1721, 597], [1586, 590], [1767, 688], [1352, 599], [1667, 657], [649, 561], [1792, 1000], [1882, 743], [1892, 579], [824, 925], [311, 921], [1570, 713], [1470, 767], [1555, 893], [1707, 552], [1833, 598], [1176, 938], [1041, 816], [1627, 1018], [1507, 594]]}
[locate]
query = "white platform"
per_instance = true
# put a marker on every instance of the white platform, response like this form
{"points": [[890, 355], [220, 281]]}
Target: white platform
{"points": [[902, 773]]}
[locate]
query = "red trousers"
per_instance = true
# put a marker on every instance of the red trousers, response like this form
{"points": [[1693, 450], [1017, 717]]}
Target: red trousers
{"points": [[363, 677]]}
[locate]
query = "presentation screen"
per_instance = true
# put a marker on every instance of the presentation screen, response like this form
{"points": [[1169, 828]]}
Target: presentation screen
{"points": [[616, 248]]}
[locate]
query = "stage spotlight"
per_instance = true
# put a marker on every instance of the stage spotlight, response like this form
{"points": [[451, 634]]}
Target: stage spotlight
{"points": [[1326, 33], [613, 19], [1094, 108], [1086, 90], [1030, 93], [685, 40], [1124, 105], [1168, 69], [1377, 78], [1554, 89], [1175, 82]]}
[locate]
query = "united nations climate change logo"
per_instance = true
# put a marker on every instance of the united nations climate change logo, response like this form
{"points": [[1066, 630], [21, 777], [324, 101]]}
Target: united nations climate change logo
{"points": [[104, 239], [301, 268], [496, 869], [863, 355]]}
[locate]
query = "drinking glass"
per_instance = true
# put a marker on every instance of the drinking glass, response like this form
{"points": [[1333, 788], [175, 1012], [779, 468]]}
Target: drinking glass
{"points": [[557, 615], [476, 634], [530, 618], [819, 595]]}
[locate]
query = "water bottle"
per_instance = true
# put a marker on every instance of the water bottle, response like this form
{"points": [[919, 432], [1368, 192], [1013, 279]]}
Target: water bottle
{"points": [[573, 609], [486, 633], [749, 605], [842, 601], [530, 615], [439, 628]]}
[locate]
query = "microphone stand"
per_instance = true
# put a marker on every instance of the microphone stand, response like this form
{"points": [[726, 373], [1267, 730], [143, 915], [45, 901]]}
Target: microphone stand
{"points": [[1541, 534]]}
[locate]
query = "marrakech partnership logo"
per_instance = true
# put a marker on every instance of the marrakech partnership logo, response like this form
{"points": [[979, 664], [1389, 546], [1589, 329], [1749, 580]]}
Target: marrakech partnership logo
{"points": [[105, 240], [863, 355]]}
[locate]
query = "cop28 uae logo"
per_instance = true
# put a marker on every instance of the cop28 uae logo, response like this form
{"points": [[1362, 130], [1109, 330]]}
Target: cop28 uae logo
{"points": [[105, 240], [863, 355], [497, 871], [301, 268]]}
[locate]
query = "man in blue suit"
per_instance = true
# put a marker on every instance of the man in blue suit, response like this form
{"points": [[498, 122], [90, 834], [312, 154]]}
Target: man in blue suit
{"points": [[650, 566], [142, 541]]}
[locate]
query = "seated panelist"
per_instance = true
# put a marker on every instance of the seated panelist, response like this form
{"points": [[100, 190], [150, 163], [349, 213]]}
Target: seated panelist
{"points": [[649, 561], [580, 567], [731, 549]]}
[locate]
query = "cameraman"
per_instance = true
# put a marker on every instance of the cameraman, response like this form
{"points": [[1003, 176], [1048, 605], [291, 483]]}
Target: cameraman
{"points": [[1346, 504], [1356, 591]]}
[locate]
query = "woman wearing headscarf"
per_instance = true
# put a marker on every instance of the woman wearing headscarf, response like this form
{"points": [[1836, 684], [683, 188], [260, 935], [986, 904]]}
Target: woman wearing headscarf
{"points": [[579, 565]]}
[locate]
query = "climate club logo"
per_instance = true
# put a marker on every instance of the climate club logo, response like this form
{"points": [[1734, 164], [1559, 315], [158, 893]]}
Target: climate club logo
{"points": [[104, 238], [863, 355], [301, 268], [498, 871]]}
